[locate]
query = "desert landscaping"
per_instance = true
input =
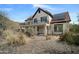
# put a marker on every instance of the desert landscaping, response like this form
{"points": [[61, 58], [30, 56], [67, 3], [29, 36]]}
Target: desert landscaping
{"points": [[63, 38], [35, 45]]}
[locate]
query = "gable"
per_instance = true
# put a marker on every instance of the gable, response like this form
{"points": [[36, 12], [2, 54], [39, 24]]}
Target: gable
{"points": [[39, 10], [41, 14]]}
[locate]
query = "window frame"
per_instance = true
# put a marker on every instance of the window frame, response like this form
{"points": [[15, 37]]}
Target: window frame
{"points": [[35, 20], [57, 28], [44, 19]]}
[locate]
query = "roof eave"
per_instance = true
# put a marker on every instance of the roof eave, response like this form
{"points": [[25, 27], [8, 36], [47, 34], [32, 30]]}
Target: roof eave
{"points": [[60, 21]]}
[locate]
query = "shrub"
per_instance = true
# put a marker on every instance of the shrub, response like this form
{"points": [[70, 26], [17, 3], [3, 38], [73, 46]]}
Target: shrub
{"points": [[48, 37], [70, 38], [76, 39], [1, 32], [29, 32], [13, 38], [21, 39], [62, 37], [74, 28]]}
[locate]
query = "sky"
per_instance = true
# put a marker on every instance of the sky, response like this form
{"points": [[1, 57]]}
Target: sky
{"points": [[20, 12]]}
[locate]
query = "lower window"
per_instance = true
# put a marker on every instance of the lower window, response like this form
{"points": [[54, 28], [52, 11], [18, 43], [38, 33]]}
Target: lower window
{"points": [[58, 27]]}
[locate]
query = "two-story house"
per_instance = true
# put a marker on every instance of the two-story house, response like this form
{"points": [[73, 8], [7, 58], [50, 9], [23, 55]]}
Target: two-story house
{"points": [[43, 22]]}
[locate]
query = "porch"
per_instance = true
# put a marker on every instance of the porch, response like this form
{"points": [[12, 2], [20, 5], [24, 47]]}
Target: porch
{"points": [[40, 30], [55, 29]]}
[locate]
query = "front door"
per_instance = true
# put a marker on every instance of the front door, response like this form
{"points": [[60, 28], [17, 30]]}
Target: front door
{"points": [[40, 30]]}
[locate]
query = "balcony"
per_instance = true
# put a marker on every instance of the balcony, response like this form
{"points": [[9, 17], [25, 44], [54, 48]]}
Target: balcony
{"points": [[39, 23]]}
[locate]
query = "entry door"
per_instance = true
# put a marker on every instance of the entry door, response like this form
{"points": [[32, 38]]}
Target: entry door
{"points": [[39, 30]]}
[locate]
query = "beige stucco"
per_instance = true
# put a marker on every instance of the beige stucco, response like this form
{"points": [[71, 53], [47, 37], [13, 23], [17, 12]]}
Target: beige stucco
{"points": [[47, 28], [39, 15], [65, 28]]}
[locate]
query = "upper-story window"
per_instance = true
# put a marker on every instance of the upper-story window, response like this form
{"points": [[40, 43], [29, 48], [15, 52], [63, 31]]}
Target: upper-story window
{"points": [[35, 20], [44, 19]]}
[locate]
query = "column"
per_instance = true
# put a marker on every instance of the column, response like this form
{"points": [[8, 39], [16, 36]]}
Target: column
{"points": [[45, 31], [36, 30]]}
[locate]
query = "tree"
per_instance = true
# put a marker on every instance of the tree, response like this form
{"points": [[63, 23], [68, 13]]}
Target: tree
{"points": [[3, 15], [78, 19]]}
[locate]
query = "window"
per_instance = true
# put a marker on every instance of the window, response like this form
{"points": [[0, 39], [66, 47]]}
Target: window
{"points": [[58, 27], [43, 19], [35, 20]]}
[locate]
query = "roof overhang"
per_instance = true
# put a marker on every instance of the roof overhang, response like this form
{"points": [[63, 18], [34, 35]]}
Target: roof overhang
{"points": [[61, 21]]}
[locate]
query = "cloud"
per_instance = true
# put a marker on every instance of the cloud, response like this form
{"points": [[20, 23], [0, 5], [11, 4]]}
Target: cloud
{"points": [[6, 9], [44, 6], [47, 7]]}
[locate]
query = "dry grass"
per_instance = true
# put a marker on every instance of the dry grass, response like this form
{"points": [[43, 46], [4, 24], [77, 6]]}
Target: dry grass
{"points": [[40, 45], [15, 38], [48, 37]]}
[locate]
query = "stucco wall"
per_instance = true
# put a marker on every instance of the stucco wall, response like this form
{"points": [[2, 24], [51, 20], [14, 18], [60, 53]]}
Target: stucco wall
{"points": [[65, 28], [39, 15]]}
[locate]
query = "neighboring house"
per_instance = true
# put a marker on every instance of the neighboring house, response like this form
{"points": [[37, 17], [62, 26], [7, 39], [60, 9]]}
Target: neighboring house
{"points": [[43, 22]]}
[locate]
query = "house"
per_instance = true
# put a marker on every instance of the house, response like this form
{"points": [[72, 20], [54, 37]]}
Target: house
{"points": [[43, 22]]}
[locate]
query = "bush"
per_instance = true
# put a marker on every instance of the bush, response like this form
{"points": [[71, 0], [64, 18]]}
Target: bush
{"points": [[13, 38], [76, 39], [70, 38], [29, 32], [74, 28], [21, 39], [1, 32]]}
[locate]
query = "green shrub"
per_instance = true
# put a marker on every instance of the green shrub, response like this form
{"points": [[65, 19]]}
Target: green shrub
{"points": [[76, 39], [70, 38], [74, 28]]}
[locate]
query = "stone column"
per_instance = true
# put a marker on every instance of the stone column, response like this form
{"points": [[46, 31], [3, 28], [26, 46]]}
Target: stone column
{"points": [[45, 31], [35, 30]]}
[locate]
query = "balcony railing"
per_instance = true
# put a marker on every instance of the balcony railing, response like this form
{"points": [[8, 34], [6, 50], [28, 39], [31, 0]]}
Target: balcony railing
{"points": [[39, 22]]}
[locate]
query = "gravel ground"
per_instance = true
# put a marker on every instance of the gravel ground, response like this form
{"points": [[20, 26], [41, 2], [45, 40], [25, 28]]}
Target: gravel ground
{"points": [[39, 45]]}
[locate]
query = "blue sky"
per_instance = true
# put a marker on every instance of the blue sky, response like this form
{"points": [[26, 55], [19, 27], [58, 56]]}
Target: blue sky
{"points": [[20, 12]]}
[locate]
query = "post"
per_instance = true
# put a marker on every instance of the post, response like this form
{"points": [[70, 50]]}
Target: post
{"points": [[45, 32], [35, 30]]}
